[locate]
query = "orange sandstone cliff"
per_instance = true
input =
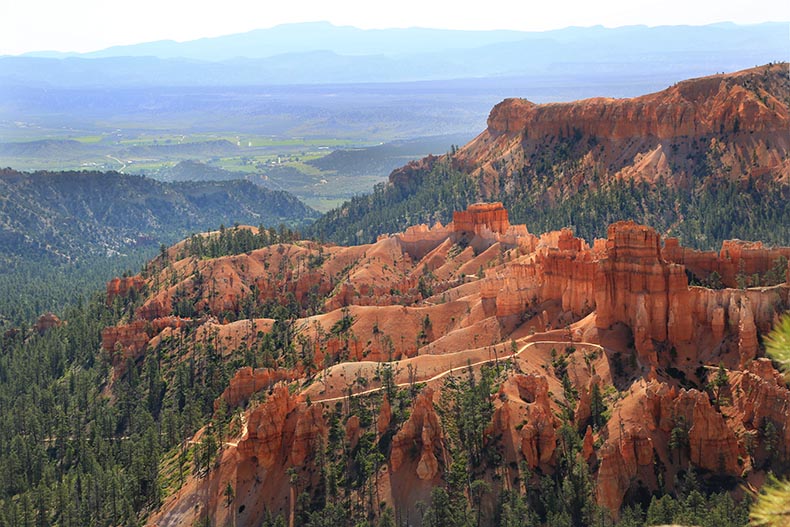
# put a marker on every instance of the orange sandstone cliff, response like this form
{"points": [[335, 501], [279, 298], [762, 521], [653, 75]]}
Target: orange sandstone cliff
{"points": [[734, 125]]}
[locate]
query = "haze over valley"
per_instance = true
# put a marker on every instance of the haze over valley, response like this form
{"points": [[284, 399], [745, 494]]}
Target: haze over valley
{"points": [[269, 103]]}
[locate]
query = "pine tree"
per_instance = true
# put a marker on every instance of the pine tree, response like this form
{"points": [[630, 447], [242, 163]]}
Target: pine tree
{"points": [[772, 508], [597, 408]]}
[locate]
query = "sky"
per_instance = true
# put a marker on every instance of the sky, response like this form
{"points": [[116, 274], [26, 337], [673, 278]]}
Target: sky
{"points": [[89, 25]]}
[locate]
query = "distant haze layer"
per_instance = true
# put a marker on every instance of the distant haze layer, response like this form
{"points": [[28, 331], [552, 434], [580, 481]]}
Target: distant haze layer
{"points": [[88, 25], [318, 53]]}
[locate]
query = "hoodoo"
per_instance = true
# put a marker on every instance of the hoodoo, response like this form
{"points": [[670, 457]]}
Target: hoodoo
{"points": [[479, 216]]}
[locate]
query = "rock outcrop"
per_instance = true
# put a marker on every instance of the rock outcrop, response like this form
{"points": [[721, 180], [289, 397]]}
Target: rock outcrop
{"points": [[694, 107], [762, 403], [282, 433], [385, 417], [741, 117], [46, 322], [405, 176], [248, 381], [625, 279], [121, 287], [712, 444], [130, 340], [633, 286], [421, 433], [736, 258], [265, 429], [479, 216], [620, 462], [526, 421], [641, 434], [309, 434], [620, 312]]}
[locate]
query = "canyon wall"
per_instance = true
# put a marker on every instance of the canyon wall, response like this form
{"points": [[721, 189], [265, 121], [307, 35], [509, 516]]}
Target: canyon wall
{"points": [[628, 280], [739, 119]]}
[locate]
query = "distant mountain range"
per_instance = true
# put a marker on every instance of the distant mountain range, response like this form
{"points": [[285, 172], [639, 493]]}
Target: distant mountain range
{"points": [[322, 53], [312, 36]]}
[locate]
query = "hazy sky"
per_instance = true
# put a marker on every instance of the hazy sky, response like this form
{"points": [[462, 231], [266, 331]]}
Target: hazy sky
{"points": [[87, 25]]}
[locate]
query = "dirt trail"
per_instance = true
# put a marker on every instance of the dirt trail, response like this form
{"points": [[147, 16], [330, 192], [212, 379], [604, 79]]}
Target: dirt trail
{"points": [[431, 379], [451, 370]]}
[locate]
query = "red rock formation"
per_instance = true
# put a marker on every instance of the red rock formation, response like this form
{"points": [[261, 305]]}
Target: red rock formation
{"points": [[565, 273], [385, 417], [584, 405], [479, 216], [764, 369], [747, 334], [690, 108], [46, 322], [280, 432], [695, 107], [419, 240], [526, 421], [588, 444], [630, 282], [247, 382], [644, 421], [308, 435], [735, 258], [122, 286], [130, 340], [633, 286], [761, 397], [713, 445], [404, 176], [423, 432], [510, 116], [266, 442], [624, 283], [717, 323], [353, 432], [278, 273], [620, 462], [743, 116]]}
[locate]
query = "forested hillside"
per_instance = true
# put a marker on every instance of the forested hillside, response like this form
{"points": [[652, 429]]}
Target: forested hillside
{"points": [[72, 215], [76, 451], [701, 218], [64, 234]]}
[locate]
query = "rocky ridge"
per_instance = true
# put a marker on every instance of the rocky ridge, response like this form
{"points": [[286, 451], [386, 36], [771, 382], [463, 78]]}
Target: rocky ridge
{"points": [[620, 312], [733, 123]]}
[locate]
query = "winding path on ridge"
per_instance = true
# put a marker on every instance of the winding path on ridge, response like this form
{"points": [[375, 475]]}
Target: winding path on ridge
{"points": [[455, 368], [431, 379]]}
